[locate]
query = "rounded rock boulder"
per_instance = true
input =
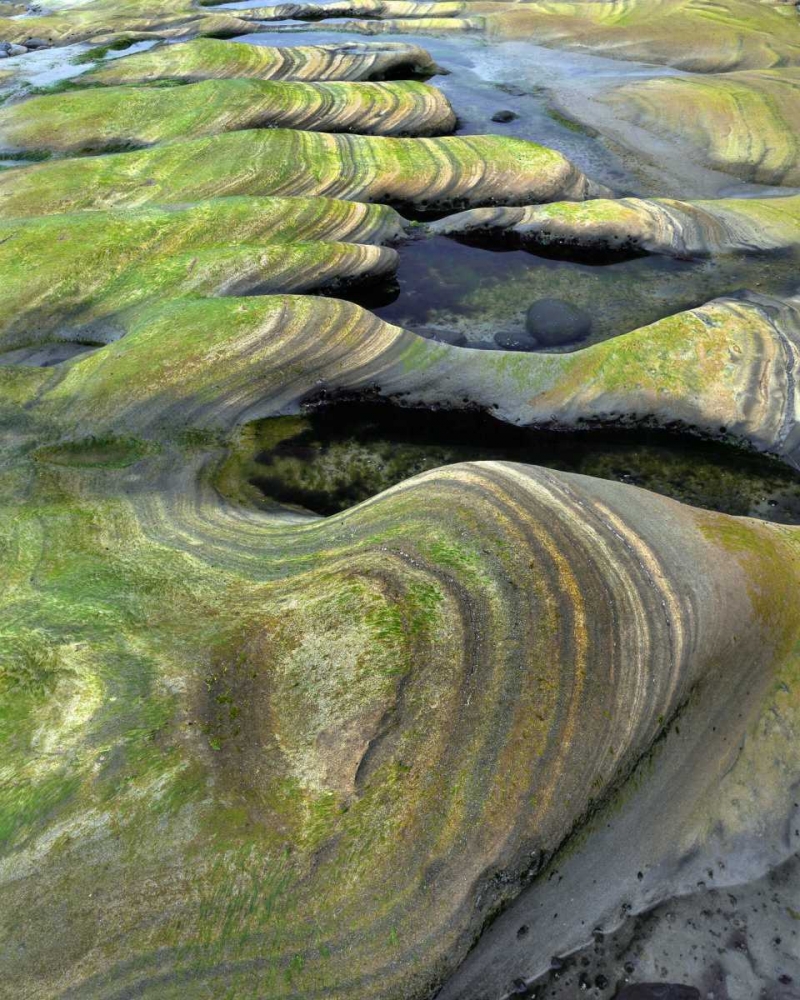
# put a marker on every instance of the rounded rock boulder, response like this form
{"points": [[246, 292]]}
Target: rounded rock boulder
{"points": [[554, 322]]}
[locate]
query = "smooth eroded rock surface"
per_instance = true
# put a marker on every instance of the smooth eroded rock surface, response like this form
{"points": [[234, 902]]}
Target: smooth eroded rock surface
{"points": [[210, 58], [432, 174], [94, 121], [485, 713]]}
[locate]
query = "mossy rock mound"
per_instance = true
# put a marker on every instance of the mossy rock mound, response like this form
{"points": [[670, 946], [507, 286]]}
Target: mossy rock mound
{"points": [[424, 25], [351, 739], [379, 9], [95, 120], [108, 20], [75, 276], [688, 34], [660, 225], [429, 174], [746, 124], [726, 368], [250, 752], [209, 58]]}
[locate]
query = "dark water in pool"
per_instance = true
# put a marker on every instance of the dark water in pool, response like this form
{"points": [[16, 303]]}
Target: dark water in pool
{"points": [[339, 455], [443, 285]]}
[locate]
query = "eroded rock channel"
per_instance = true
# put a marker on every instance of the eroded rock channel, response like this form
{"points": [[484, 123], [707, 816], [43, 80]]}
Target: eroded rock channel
{"points": [[340, 454], [399, 500]]}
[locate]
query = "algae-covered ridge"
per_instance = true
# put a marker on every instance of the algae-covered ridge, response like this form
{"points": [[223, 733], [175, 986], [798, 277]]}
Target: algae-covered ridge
{"points": [[115, 117], [250, 752]]}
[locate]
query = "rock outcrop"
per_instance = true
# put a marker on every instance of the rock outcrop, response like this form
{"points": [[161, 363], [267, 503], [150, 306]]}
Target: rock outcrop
{"points": [[728, 367], [428, 174], [687, 34], [212, 59], [92, 268], [111, 118], [742, 123], [294, 676], [389, 754], [109, 20], [677, 228]]}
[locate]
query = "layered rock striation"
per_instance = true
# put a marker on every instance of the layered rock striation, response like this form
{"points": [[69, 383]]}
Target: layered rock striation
{"points": [[253, 752], [94, 121]]}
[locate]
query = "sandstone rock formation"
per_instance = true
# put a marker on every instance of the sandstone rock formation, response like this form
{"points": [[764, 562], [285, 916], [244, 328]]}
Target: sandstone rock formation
{"points": [[324, 657], [742, 123], [116, 117], [210, 58], [422, 746], [662, 226], [428, 174], [687, 34]]}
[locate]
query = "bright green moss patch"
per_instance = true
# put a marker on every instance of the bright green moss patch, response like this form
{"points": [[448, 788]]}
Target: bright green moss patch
{"points": [[274, 161], [209, 58], [22, 805], [645, 360], [79, 274], [31, 666], [109, 118], [60, 87]]}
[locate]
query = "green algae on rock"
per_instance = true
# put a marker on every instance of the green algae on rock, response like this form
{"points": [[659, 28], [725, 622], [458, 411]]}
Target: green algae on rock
{"points": [[91, 121], [251, 753], [107, 20], [197, 662], [658, 225], [92, 267], [208, 58], [428, 174], [430, 25], [688, 34], [727, 367], [744, 123]]}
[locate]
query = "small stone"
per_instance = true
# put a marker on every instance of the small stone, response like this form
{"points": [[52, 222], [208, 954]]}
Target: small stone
{"points": [[515, 341], [3, 54], [553, 322], [452, 337], [37, 43], [16, 50], [504, 116]]}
